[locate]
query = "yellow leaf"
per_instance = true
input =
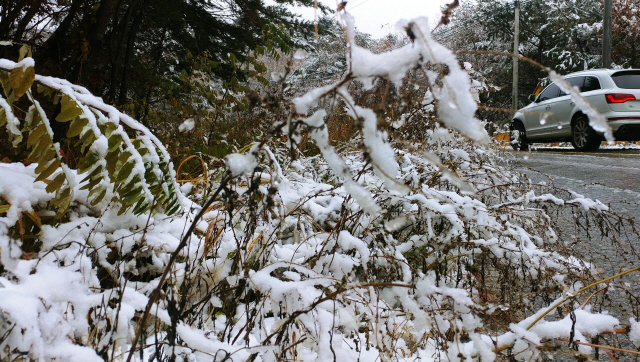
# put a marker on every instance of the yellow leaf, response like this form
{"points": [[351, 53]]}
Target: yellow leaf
{"points": [[123, 209], [23, 52], [87, 162], [95, 201], [36, 134], [64, 206], [21, 80], [77, 126], [4, 208], [91, 185], [46, 156], [49, 170], [41, 167], [65, 194], [34, 217], [86, 137], [21, 228], [125, 171], [37, 151], [114, 142], [68, 114], [93, 174], [56, 183], [95, 191], [124, 156]]}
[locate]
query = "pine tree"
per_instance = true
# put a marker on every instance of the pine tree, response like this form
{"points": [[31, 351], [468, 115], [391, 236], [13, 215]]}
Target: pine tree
{"points": [[124, 49]]}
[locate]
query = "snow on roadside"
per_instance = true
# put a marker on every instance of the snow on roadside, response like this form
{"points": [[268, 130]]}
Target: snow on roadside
{"points": [[56, 300]]}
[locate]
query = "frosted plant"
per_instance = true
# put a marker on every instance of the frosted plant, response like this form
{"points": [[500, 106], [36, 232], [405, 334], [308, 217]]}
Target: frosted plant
{"points": [[138, 168], [396, 252]]}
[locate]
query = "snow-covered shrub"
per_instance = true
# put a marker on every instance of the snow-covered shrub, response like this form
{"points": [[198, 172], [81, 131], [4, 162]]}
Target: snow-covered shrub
{"points": [[138, 168], [425, 250]]}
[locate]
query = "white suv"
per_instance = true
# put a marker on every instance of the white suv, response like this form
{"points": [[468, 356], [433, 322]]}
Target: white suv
{"points": [[554, 117]]}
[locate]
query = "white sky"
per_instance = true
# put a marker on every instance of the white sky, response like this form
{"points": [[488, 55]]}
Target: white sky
{"points": [[378, 17]]}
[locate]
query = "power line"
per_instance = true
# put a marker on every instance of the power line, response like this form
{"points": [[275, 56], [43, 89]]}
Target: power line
{"points": [[355, 6]]}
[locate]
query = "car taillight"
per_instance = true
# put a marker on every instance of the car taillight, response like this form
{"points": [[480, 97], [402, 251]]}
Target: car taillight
{"points": [[619, 98]]}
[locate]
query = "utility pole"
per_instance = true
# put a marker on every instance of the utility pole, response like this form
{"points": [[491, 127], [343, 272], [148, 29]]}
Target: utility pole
{"points": [[516, 45], [606, 35]]}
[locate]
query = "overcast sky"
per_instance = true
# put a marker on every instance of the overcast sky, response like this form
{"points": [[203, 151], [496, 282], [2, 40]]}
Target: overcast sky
{"points": [[378, 17]]}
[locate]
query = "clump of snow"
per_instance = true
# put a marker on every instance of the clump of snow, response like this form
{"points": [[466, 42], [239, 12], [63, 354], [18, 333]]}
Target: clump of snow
{"points": [[187, 126], [25, 63], [300, 54], [634, 332], [277, 76], [240, 164], [12, 122]]}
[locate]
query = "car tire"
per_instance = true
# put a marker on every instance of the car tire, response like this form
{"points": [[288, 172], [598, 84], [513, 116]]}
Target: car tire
{"points": [[518, 137], [583, 137]]}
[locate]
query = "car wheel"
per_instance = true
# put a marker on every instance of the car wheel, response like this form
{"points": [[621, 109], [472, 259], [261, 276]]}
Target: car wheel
{"points": [[583, 137], [518, 138]]}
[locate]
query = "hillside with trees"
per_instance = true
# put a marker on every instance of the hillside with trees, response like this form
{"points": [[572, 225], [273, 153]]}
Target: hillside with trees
{"points": [[564, 35]]}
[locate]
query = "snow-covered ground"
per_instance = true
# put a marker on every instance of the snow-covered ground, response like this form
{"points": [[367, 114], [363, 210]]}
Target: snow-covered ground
{"points": [[345, 292]]}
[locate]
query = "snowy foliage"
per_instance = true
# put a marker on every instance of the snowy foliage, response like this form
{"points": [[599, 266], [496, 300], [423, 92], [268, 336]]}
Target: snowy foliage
{"points": [[313, 272], [137, 168], [391, 252]]}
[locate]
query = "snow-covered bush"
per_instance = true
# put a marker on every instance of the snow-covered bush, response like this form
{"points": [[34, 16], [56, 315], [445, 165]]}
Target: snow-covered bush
{"points": [[385, 250], [138, 168]]}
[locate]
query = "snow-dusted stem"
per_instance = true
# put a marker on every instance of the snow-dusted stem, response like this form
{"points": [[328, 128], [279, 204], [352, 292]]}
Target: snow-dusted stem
{"points": [[185, 240]]}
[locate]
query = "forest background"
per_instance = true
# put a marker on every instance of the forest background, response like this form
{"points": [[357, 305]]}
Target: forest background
{"points": [[201, 60]]}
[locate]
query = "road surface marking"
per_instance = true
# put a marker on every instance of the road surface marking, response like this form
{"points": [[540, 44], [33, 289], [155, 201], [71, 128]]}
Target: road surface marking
{"points": [[576, 153]]}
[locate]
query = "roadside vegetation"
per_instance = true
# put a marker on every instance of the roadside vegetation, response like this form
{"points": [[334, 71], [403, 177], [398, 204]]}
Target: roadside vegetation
{"points": [[235, 184]]}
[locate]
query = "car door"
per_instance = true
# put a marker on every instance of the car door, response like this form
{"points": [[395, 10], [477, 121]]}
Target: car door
{"points": [[591, 92], [563, 109], [539, 116]]}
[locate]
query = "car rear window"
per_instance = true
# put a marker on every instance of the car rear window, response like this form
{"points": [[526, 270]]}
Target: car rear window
{"points": [[627, 80]]}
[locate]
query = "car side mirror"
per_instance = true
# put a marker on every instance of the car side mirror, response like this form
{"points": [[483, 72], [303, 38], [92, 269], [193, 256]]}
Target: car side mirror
{"points": [[532, 97]]}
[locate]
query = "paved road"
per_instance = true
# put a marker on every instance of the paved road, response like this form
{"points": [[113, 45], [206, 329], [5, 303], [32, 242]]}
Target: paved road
{"points": [[613, 177], [610, 175]]}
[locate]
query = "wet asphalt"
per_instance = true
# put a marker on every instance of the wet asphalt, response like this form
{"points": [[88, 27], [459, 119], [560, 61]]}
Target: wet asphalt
{"points": [[611, 176]]}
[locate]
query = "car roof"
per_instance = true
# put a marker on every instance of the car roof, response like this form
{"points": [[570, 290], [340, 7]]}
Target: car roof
{"points": [[603, 71]]}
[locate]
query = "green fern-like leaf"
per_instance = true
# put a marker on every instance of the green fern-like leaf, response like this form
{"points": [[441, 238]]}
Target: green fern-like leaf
{"points": [[137, 171]]}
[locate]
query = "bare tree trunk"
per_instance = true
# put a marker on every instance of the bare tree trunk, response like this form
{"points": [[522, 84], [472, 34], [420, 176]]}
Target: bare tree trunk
{"points": [[142, 116], [97, 26], [124, 86], [10, 12], [116, 50], [55, 49], [26, 19]]}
